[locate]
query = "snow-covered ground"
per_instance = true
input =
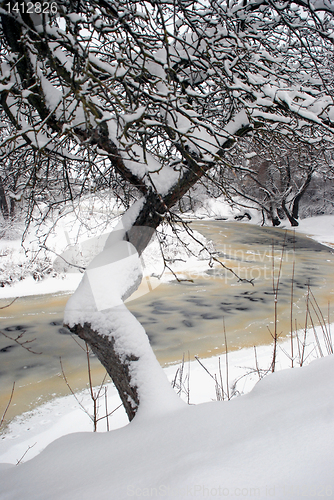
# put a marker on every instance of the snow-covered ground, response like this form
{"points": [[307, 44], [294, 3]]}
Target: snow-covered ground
{"points": [[274, 441], [58, 265]]}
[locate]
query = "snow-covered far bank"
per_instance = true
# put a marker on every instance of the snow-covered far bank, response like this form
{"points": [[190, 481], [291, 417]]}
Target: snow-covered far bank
{"points": [[59, 267], [277, 441], [320, 228]]}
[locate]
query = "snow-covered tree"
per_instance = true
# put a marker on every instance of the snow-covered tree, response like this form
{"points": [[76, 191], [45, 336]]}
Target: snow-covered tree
{"points": [[157, 92], [273, 174]]}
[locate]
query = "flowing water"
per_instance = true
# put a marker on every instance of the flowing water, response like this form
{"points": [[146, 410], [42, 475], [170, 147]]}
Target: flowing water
{"points": [[186, 317]]}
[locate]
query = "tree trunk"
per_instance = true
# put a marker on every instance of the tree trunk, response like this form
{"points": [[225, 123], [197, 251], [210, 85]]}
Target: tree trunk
{"points": [[292, 220], [295, 206], [12, 207], [139, 234], [117, 368], [294, 214], [274, 217], [3, 201]]}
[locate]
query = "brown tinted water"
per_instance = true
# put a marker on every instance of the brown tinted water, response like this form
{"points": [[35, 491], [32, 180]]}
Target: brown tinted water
{"points": [[178, 317]]}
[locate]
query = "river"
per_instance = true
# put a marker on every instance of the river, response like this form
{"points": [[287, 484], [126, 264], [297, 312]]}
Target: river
{"points": [[185, 317]]}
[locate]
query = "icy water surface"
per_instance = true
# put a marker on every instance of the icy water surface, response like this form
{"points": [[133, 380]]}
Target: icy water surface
{"points": [[179, 318]]}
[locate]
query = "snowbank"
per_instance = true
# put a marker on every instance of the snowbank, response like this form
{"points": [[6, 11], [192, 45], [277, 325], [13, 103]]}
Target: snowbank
{"points": [[71, 250], [320, 228], [194, 381], [274, 442]]}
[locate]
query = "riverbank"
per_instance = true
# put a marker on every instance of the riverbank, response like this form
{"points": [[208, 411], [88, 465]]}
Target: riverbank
{"points": [[220, 377], [274, 441], [59, 267]]}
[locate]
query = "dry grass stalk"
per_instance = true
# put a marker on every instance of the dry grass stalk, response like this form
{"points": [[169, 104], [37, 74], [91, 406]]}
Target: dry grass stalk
{"points": [[95, 396], [8, 405], [181, 382], [275, 335]]}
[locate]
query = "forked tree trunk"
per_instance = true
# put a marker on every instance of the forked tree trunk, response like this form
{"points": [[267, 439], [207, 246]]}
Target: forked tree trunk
{"points": [[274, 216], [119, 367], [294, 214], [293, 221], [296, 201]]}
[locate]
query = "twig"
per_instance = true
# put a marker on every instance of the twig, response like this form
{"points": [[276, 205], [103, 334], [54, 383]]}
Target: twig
{"points": [[275, 292], [329, 327], [190, 232], [226, 362], [188, 380], [75, 340], [94, 396], [240, 280], [322, 322], [257, 364], [89, 374], [22, 344], [291, 303], [181, 383], [106, 405], [12, 302], [207, 371], [298, 340], [8, 405], [71, 390], [221, 378], [44, 247], [250, 371], [301, 357], [316, 337], [220, 394], [24, 454]]}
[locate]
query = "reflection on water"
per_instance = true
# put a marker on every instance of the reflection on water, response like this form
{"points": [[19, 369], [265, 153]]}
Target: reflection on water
{"points": [[178, 317]]}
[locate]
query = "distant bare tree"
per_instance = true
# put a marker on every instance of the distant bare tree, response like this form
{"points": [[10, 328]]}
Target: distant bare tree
{"points": [[274, 175]]}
